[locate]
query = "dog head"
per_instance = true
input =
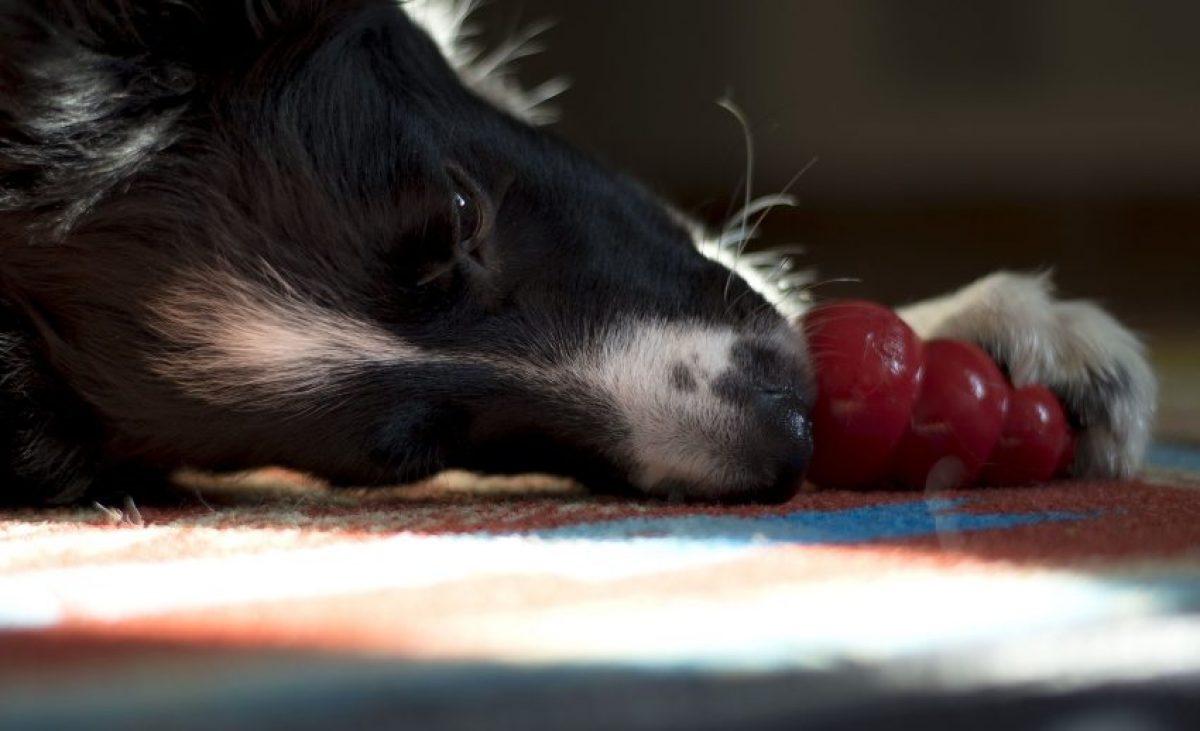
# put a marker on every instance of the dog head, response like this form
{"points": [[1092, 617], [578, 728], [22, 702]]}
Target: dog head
{"points": [[312, 234]]}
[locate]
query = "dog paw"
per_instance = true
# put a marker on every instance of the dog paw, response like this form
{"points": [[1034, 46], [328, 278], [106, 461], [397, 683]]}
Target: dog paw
{"points": [[1097, 367]]}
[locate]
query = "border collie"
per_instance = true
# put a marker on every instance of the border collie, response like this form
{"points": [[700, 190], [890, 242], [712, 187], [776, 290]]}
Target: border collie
{"points": [[332, 236]]}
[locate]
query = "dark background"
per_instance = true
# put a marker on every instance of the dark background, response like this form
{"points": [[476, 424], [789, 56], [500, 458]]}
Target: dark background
{"points": [[953, 138]]}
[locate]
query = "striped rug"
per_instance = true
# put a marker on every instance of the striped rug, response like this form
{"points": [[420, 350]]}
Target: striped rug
{"points": [[470, 599]]}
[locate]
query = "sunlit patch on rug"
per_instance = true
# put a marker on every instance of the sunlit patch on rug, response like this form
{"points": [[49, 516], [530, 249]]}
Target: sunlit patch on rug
{"points": [[532, 570]]}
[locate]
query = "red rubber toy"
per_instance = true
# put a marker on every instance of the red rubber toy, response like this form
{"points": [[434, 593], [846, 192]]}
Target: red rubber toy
{"points": [[867, 363], [1034, 442], [937, 415], [956, 421]]}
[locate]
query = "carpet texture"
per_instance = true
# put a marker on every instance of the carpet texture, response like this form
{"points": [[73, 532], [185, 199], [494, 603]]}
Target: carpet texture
{"points": [[469, 599]]}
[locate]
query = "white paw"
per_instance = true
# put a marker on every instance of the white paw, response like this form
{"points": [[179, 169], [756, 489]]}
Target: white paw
{"points": [[1095, 365]]}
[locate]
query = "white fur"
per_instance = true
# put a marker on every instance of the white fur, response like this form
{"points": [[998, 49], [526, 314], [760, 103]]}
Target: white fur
{"points": [[488, 71], [673, 435], [771, 274], [78, 97], [1075, 348], [246, 342], [676, 437]]}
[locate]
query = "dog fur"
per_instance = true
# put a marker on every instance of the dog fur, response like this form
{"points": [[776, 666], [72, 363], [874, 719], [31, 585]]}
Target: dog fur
{"points": [[333, 236]]}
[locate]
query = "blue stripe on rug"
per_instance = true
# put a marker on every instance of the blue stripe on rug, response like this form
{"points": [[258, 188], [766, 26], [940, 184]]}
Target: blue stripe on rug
{"points": [[810, 527], [1174, 457]]}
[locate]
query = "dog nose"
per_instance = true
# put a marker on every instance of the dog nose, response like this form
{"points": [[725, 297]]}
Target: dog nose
{"points": [[783, 443]]}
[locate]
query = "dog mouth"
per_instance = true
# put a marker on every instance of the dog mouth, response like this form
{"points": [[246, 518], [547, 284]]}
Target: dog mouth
{"points": [[536, 454], [532, 453], [765, 463]]}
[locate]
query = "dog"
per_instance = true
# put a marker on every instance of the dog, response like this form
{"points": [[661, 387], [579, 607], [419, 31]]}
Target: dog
{"points": [[333, 237]]}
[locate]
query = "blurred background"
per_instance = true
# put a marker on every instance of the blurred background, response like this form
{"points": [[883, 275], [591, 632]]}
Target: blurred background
{"points": [[951, 138]]}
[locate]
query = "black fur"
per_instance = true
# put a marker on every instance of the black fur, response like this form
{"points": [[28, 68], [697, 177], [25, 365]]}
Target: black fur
{"points": [[326, 151]]}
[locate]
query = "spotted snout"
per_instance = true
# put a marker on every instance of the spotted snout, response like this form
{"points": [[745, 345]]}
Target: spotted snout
{"points": [[710, 413]]}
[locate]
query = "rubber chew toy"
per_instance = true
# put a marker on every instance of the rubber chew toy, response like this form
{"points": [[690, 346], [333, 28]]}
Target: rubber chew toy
{"points": [[938, 415]]}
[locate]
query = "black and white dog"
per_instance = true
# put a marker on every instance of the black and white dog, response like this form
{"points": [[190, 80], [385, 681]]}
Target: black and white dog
{"points": [[327, 235]]}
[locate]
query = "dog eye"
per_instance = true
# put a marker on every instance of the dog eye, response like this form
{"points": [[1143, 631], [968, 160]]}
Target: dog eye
{"points": [[468, 221], [469, 208]]}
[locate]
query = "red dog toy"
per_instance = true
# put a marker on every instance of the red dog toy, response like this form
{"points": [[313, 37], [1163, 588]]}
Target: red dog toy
{"points": [[934, 415]]}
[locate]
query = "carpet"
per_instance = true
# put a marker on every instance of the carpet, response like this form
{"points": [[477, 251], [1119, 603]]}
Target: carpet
{"points": [[266, 600]]}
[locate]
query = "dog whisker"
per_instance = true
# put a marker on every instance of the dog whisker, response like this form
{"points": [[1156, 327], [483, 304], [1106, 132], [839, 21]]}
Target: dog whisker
{"points": [[734, 238], [775, 252], [728, 105], [759, 205]]}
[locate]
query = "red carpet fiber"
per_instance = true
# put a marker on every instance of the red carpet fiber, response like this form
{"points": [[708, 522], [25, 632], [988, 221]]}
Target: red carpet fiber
{"points": [[468, 600]]}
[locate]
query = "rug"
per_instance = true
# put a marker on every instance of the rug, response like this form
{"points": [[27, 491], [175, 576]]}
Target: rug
{"points": [[266, 599]]}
